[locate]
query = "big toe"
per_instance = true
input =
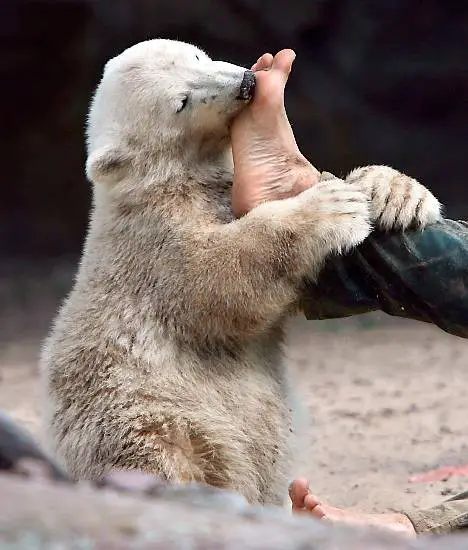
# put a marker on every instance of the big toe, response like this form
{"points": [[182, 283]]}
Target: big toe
{"points": [[271, 83], [283, 62], [298, 490]]}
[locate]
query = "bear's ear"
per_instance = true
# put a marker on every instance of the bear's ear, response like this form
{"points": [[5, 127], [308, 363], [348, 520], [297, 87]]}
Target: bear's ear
{"points": [[108, 165]]}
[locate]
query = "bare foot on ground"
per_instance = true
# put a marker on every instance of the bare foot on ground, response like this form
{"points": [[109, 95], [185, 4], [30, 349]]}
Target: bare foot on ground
{"points": [[303, 501], [267, 162]]}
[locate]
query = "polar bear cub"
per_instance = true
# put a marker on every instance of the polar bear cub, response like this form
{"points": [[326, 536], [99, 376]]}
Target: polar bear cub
{"points": [[166, 356]]}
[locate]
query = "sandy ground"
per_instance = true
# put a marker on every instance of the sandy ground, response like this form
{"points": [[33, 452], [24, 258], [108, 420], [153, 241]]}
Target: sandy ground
{"points": [[387, 398]]}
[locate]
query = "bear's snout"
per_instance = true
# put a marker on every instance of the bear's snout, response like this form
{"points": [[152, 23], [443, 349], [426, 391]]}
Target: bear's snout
{"points": [[247, 87]]}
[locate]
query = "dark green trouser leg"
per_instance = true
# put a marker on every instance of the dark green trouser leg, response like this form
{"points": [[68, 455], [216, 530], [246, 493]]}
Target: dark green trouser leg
{"points": [[420, 275], [450, 515], [416, 275]]}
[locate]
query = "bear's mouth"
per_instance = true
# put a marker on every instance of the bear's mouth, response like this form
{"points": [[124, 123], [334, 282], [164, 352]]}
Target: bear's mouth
{"points": [[247, 87]]}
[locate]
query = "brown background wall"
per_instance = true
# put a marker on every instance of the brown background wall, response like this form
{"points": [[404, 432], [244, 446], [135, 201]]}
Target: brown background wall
{"points": [[374, 82]]}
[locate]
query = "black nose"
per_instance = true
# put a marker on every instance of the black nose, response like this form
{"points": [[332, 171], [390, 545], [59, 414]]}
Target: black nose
{"points": [[247, 87]]}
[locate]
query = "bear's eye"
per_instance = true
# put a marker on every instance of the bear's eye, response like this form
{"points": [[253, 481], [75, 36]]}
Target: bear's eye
{"points": [[197, 58], [183, 104]]}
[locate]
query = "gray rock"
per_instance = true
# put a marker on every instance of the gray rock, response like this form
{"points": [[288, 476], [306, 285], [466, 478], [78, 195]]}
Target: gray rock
{"points": [[41, 515]]}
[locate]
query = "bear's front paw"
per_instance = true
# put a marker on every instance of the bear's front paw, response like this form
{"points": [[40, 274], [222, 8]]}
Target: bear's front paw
{"points": [[340, 213], [397, 201]]}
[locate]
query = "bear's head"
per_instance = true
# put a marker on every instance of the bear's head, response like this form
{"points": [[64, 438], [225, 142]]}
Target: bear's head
{"points": [[156, 101]]}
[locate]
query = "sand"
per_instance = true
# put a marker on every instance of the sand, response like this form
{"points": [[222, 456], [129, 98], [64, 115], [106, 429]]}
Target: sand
{"points": [[388, 398]]}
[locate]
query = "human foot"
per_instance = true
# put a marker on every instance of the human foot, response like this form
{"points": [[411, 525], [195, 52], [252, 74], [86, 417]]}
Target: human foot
{"points": [[267, 162], [303, 501]]}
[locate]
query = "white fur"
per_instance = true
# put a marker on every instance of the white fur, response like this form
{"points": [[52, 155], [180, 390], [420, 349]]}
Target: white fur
{"points": [[166, 356], [397, 200]]}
